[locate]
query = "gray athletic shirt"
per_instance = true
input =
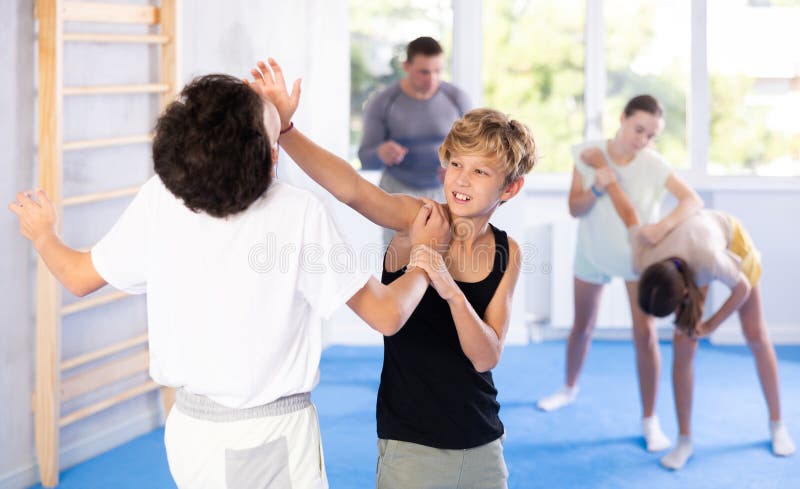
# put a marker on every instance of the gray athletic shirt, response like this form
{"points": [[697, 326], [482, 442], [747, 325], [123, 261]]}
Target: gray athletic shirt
{"points": [[419, 125]]}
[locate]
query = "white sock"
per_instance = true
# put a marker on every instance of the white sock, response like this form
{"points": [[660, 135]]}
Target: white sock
{"points": [[566, 395], [677, 458], [655, 439], [782, 444]]}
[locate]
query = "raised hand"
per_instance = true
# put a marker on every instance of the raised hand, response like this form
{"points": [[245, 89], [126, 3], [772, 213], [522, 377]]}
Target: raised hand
{"points": [[270, 85], [431, 227], [37, 220], [594, 157]]}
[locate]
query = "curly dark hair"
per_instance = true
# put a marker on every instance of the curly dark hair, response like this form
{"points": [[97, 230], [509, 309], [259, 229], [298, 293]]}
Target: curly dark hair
{"points": [[211, 147]]}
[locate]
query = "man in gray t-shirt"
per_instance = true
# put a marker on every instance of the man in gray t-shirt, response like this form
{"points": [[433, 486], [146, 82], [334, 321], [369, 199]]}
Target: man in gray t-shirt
{"points": [[405, 124]]}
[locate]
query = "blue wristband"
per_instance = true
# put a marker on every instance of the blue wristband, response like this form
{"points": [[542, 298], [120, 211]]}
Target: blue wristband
{"points": [[596, 192]]}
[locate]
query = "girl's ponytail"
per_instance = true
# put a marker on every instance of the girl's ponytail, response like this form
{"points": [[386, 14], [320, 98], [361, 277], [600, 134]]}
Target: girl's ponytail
{"points": [[690, 310]]}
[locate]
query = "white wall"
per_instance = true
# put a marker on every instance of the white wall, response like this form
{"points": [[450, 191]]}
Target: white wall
{"points": [[309, 37], [770, 215], [16, 159]]}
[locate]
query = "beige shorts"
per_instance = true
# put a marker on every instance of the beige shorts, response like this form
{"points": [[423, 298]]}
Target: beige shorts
{"points": [[404, 465]]}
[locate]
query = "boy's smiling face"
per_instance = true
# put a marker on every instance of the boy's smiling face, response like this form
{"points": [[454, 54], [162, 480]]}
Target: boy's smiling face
{"points": [[474, 185]]}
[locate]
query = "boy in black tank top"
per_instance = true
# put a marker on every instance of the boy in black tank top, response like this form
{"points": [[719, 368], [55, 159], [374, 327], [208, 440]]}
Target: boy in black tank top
{"points": [[434, 396], [437, 411]]}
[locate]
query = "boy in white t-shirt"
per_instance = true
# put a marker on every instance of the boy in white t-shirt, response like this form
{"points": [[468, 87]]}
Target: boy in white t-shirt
{"points": [[240, 269]]}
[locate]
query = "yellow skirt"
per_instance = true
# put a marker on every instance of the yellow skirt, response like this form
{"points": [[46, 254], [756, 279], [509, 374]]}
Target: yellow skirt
{"points": [[743, 247]]}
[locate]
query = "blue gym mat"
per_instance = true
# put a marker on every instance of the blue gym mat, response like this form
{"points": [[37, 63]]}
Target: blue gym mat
{"points": [[594, 443]]}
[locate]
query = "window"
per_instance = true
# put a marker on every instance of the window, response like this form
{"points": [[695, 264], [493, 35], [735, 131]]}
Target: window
{"points": [[379, 33], [533, 58], [647, 51], [754, 71]]}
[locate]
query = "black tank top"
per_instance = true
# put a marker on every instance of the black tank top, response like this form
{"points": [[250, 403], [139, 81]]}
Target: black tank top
{"points": [[430, 393]]}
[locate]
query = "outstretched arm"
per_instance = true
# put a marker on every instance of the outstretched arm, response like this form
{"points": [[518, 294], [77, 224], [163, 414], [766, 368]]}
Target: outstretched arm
{"points": [[386, 308], [394, 211], [37, 222], [333, 173]]}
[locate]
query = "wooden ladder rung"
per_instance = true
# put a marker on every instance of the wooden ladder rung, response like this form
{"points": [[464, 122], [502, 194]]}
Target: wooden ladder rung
{"points": [[111, 89], [114, 38], [107, 403], [99, 196], [105, 142], [110, 13], [103, 352], [103, 375], [91, 302]]}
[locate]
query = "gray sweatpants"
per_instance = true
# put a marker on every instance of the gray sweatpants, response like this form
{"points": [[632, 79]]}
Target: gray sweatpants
{"points": [[394, 186], [403, 465]]}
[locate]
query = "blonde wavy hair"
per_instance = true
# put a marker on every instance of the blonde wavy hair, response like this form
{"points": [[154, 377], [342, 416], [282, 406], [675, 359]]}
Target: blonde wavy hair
{"points": [[490, 133]]}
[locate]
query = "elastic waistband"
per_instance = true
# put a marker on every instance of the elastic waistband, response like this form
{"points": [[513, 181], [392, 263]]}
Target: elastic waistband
{"points": [[204, 408]]}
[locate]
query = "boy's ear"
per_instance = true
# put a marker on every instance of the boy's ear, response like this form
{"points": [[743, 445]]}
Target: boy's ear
{"points": [[512, 189]]}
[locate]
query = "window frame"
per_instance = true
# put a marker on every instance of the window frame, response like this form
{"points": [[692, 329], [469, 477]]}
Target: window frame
{"points": [[467, 64]]}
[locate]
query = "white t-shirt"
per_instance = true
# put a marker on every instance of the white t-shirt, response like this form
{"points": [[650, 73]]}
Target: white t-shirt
{"points": [[602, 237], [702, 240], [234, 304]]}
